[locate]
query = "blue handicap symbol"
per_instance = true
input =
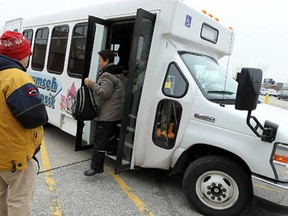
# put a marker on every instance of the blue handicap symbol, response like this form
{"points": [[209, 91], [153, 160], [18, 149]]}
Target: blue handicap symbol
{"points": [[188, 21]]}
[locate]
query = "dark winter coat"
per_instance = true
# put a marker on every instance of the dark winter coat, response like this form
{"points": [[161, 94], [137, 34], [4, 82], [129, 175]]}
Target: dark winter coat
{"points": [[110, 93]]}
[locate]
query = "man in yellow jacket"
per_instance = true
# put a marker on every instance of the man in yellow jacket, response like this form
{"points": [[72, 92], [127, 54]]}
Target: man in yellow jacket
{"points": [[22, 115]]}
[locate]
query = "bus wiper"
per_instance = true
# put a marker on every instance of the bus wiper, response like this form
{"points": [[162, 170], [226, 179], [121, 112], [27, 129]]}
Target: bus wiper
{"points": [[221, 92]]}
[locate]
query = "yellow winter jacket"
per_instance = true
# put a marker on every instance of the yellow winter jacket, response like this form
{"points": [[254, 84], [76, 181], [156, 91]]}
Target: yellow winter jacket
{"points": [[22, 115]]}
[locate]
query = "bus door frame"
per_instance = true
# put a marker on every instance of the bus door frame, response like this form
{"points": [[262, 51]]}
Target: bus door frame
{"points": [[125, 149]]}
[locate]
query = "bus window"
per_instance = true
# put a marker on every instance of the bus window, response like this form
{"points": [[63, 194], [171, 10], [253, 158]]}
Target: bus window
{"points": [[209, 33], [28, 34], [166, 123], [115, 48], [77, 50], [121, 39], [143, 48], [175, 84], [56, 56], [39, 51]]}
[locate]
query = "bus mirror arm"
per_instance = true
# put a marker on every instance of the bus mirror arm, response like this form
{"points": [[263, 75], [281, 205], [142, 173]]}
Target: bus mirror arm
{"points": [[257, 124], [269, 129]]}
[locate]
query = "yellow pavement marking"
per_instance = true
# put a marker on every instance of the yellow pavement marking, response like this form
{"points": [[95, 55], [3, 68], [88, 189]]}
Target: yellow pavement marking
{"points": [[133, 197], [55, 204]]}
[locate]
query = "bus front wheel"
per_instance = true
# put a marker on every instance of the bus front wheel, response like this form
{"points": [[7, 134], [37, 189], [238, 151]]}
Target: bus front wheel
{"points": [[216, 185]]}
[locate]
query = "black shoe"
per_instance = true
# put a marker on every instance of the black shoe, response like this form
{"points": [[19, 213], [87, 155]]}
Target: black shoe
{"points": [[92, 172]]}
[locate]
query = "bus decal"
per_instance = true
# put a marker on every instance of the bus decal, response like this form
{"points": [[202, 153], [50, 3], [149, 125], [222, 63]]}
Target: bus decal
{"points": [[49, 87], [67, 101]]}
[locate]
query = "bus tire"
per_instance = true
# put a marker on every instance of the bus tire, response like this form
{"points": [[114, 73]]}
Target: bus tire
{"points": [[216, 185]]}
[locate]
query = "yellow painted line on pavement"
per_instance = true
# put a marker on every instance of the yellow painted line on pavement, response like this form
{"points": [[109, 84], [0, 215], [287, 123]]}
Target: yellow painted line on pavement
{"points": [[132, 196], [55, 204]]}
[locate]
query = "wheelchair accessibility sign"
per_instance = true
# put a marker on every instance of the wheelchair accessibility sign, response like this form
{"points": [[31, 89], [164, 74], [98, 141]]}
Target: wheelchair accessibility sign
{"points": [[188, 21]]}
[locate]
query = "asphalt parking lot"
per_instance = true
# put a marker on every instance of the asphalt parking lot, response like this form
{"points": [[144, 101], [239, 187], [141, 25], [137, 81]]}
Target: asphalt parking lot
{"points": [[62, 189], [274, 101]]}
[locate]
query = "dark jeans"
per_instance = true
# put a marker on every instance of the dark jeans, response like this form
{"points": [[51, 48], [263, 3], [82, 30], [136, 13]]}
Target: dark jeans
{"points": [[103, 133]]}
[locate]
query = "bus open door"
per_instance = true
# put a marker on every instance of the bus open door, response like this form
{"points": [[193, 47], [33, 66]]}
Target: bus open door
{"points": [[97, 32], [141, 42]]}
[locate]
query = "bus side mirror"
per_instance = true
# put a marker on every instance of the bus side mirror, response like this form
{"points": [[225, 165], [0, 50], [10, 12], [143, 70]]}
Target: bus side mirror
{"points": [[249, 84]]}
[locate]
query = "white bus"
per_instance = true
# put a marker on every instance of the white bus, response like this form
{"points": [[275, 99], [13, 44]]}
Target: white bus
{"points": [[180, 104]]}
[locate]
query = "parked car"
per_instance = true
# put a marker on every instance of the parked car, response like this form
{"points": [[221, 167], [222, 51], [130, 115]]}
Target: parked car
{"points": [[263, 91], [283, 94], [272, 92]]}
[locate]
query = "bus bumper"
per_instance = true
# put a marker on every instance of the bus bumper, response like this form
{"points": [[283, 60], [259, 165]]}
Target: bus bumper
{"points": [[272, 191]]}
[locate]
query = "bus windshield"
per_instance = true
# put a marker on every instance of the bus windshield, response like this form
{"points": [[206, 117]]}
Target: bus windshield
{"points": [[211, 78]]}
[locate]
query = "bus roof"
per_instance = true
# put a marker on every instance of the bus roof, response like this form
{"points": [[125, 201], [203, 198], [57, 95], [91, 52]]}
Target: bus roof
{"points": [[184, 26]]}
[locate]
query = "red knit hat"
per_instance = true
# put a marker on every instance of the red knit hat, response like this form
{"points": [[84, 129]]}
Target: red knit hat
{"points": [[14, 45]]}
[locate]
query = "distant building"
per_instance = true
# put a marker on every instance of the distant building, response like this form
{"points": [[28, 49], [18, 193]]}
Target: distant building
{"points": [[271, 84], [269, 81], [285, 86], [281, 85]]}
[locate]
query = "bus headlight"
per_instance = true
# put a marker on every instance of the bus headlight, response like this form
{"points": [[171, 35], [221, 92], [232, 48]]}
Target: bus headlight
{"points": [[280, 161]]}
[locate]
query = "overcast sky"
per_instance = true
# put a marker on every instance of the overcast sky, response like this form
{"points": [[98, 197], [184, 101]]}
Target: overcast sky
{"points": [[261, 28]]}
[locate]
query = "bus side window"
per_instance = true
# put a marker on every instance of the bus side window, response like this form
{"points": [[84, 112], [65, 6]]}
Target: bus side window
{"points": [[39, 50], [77, 50], [175, 84], [166, 123], [28, 34], [58, 45]]}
